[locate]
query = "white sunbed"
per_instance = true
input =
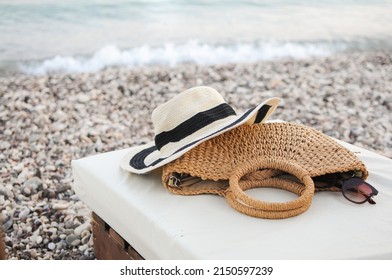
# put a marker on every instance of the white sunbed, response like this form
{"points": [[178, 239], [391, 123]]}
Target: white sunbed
{"points": [[161, 225]]}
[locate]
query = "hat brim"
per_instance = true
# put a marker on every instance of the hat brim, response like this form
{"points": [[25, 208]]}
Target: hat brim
{"points": [[147, 157]]}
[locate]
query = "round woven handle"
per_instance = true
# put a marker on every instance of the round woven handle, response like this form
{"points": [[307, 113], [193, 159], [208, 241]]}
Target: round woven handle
{"points": [[240, 201]]}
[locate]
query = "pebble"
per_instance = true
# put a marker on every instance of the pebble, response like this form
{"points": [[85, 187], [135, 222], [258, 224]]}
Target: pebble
{"points": [[49, 120], [52, 230], [50, 168], [69, 225], [82, 227], [27, 191], [83, 98], [76, 242], [3, 190], [83, 248], [7, 225], [23, 213], [39, 239], [18, 167], [60, 206], [51, 246], [71, 238], [85, 233], [33, 183]]}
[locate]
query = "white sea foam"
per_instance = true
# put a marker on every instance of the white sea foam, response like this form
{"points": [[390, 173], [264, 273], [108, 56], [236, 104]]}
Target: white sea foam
{"points": [[302, 28], [190, 52]]}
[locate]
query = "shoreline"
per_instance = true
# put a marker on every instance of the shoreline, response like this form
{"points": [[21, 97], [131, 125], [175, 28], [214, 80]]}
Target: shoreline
{"points": [[49, 120]]}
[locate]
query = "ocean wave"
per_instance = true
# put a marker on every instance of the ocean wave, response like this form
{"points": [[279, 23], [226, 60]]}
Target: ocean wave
{"points": [[171, 54]]}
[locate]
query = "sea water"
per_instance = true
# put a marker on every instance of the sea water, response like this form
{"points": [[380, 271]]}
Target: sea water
{"points": [[45, 36]]}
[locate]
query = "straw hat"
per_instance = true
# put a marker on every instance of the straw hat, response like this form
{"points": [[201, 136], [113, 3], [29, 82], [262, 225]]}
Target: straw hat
{"points": [[252, 156], [190, 118]]}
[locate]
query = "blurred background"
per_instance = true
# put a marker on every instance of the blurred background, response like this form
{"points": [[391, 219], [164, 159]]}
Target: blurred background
{"points": [[44, 36]]}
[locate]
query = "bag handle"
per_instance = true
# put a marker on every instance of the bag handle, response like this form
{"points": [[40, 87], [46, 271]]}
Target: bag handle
{"points": [[239, 200]]}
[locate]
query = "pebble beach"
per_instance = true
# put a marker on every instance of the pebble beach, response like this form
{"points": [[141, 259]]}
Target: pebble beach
{"points": [[47, 121]]}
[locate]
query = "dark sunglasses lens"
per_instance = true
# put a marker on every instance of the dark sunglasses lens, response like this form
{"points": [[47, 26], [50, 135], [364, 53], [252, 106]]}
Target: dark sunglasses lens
{"points": [[357, 190]]}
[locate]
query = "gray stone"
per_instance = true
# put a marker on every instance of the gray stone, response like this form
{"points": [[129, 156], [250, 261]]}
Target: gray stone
{"points": [[76, 242], [8, 224], [83, 248], [33, 183], [82, 227], [71, 238], [23, 213]]}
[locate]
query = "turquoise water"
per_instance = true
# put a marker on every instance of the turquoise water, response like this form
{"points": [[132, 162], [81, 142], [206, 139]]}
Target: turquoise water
{"points": [[38, 37]]}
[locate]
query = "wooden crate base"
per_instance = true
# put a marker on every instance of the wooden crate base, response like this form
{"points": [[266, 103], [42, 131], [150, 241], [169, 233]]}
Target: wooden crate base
{"points": [[109, 245], [3, 255]]}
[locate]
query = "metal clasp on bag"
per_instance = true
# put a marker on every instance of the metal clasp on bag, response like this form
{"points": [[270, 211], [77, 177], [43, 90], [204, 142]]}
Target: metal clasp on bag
{"points": [[174, 180]]}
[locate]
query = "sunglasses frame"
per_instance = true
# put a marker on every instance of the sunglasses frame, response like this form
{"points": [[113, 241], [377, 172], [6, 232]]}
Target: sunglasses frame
{"points": [[341, 182], [368, 198]]}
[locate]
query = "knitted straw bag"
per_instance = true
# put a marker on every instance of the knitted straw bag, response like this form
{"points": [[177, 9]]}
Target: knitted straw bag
{"points": [[253, 156]]}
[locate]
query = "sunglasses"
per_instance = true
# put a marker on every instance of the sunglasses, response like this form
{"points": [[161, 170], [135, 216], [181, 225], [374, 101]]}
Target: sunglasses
{"points": [[353, 188]]}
